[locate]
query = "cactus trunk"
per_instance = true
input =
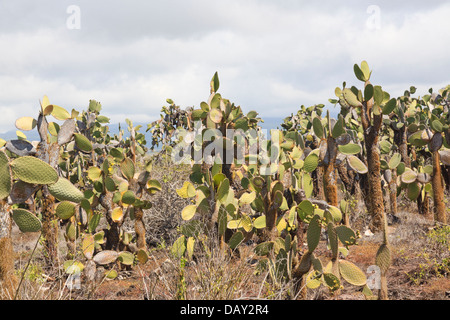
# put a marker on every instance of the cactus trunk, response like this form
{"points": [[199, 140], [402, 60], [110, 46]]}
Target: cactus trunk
{"points": [[393, 192], [139, 227], [329, 177], [438, 189], [50, 229]]}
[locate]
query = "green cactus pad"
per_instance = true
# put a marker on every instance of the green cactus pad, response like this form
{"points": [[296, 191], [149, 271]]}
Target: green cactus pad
{"points": [[33, 170], [394, 161], [128, 197], [65, 210], [311, 162], [72, 231], [106, 257], [357, 165], [127, 168], [82, 142], [335, 213], [126, 258], [413, 191], [313, 233], [26, 221], [317, 127], [333, 239], [351, 98], [331, 281], [350, 149], [5, 175], [351, 273], [64, 190], [338, 128], [264, 248], [346, 235], [236, 240]]}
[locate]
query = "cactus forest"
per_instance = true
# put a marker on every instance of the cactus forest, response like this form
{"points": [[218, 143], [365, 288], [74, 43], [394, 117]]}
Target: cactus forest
{"points": [[350, 206]]}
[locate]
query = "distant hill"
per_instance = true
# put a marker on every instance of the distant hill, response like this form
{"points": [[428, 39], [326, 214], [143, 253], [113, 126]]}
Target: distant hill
{"points": [[269, 123]]}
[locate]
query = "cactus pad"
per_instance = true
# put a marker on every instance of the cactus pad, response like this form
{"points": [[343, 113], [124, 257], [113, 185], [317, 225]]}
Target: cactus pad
{"points": [[351, 273], [106, 257], [311, 162], [127, 168], [65, 210], [33, 170], [82, 142], [26, 221], [20, 147], [357, 165], [126, 258], [5, 176], [64, 190], [350, 149], [313, 233], [409, 176]]}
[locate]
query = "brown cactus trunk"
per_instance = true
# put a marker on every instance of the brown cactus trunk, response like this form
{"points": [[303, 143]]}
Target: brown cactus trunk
{"points": [[379, 223], [50, 154], [318, 183], [374, 182], [329, 177], [50, 229], [438, 189], [139, 227], [393, 192], [401, 140]]}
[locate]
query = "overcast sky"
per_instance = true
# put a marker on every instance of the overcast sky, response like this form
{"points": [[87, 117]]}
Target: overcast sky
{"points": [[271, 56]]}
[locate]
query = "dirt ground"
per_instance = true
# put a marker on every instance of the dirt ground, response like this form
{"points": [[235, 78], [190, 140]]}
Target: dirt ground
{"points": [[419, 271]]}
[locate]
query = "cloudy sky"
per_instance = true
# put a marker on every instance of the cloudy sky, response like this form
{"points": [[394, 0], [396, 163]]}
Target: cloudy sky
{"points": [[272, 56]]}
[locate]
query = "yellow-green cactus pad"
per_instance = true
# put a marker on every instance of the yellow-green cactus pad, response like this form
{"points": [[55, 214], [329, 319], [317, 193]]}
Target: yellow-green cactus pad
{"points": [[82, 142], [126, 258], [64, 190], [311, 162], [409, 176], [127, 168], [351, 273], [5, 176], [357, 165], [33, 170], [26, 221], [65, 210]]}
